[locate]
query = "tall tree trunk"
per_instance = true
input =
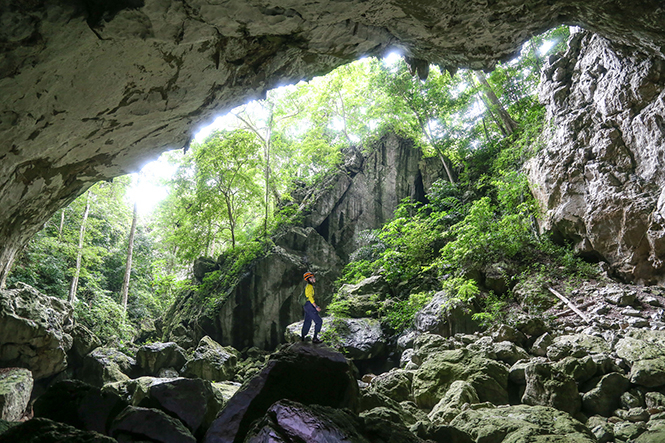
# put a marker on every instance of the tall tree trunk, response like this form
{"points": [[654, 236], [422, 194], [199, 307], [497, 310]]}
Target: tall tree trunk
{"points": [[62, 223], [128, 265], [79, 254], [508, 122]]}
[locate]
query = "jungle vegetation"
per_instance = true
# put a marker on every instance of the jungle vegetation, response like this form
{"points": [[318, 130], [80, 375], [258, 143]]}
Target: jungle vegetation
{"points": [[231, 189]]}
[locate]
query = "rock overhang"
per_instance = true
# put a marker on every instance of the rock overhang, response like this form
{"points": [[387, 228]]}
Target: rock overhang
{"points": [[93, 91]]}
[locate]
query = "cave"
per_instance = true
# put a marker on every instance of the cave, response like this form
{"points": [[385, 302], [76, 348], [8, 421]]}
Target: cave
{"points": [[93, 90]]}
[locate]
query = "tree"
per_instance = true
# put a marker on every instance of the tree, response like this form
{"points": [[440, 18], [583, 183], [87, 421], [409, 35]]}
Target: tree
{"points": [[128, 268], [79, 254]]}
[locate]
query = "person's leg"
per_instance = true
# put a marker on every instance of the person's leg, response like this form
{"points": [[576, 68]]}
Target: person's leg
{"points": [[308, 321], [318, 322]]}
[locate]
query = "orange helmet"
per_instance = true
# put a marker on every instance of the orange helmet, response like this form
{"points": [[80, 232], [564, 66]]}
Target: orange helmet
{"points": [[307, 275]]}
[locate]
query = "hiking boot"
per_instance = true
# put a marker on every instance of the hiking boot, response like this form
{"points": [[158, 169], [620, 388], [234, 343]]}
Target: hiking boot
{"points": [[316, 341]]}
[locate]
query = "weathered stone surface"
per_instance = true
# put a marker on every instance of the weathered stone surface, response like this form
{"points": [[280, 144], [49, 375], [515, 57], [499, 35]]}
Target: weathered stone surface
{"points": [[577, 345], [522, 424], [34, 331], [193, 401], [105, 365], [547, 386], [600, 176], [606, 396], [303, 373], [80, 405], [43, 430], [84, 342], [358, 338], [211, 361], [446, 316], [641, 344], [459, 393], [655, 432], [248, 317], [15, 390], [395, 384], [292, 421], [580, 369], [156, 356], [648, 373], [437, 373], [149, 424]]}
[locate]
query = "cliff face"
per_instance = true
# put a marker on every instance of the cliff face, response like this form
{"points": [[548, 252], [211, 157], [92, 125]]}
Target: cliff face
{"points": [[90, 93], [600, 177], [363, 194]]}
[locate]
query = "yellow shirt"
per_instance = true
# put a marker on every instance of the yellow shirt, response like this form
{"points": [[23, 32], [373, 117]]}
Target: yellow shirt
{"points": [[309, 293]]}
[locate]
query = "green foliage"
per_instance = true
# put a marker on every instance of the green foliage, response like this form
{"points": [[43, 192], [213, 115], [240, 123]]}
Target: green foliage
{"points": [[104, 316], [400, 314]]}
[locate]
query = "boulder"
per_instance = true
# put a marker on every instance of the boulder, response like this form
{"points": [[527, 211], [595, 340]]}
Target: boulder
{"points": [[291, 421], [225, 390], [641, 344], [648, 373], [547, 386], [15, 390], [43, 430], [357, 338], [203, 266], [446, 316], [504, 332], [135, 423], [522, 424], [154, 357], [434, 377], [105, 365], [459, 394], [580, 369], [80, 405], [605, 397], [576, 345], [654, 433], [192, 401], [34, 331], [508, 352], [303, 373], [395, 384], [211, 361], [84, 342]]}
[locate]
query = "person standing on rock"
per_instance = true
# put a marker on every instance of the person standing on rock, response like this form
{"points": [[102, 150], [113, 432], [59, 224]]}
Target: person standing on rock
{"points": [[311, 310]]}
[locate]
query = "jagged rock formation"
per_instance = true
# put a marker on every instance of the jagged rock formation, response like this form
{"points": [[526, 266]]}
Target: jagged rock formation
{"points": [[34, 331], [90, 90], [365, 194], [362, 195], [600, 176]]}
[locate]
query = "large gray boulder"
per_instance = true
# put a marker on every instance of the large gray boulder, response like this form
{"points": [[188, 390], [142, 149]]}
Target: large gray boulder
{"points": [[437, 373], [145, 424], [34, 331], [547, 386], [395, 384], [357, 338], [605, 397], [446, 316], [522, 424], [15, 391], [154, 357], [211, 361], [303, 373], [599, 178], [105, 365]]}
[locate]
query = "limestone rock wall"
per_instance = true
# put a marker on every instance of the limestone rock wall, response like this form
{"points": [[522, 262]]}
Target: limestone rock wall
{"points": [[89, 94], [600, 177]]}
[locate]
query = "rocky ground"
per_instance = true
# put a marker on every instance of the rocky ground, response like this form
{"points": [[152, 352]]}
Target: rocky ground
{"points": [[551, 377]]}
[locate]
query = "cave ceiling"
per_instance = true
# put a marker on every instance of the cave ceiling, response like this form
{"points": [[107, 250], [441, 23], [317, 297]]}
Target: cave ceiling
{"points": [[93, 89]]}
